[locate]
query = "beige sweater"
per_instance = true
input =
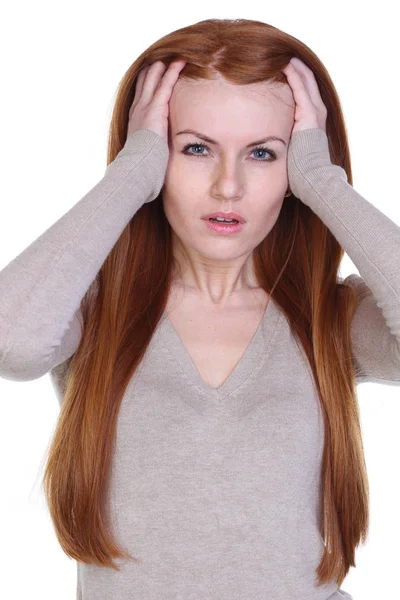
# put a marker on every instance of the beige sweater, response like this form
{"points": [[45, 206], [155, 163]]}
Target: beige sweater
{"points": [[216, 490]]}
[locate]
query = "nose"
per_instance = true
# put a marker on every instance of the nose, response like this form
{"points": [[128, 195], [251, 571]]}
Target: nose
{"points": [[228, 184]]}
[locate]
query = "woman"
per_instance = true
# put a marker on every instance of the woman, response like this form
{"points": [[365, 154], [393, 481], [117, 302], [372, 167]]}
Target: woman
{"points": [[209, 436]]}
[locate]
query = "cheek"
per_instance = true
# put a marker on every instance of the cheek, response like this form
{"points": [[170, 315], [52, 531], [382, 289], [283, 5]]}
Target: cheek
{"points": [[265, 215], [179, 193], [176, 209], [276, 209], [180, 182], [272, 180], [268, 194]]}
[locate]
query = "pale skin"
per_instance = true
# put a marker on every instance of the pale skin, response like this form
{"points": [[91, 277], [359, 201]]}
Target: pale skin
{"points": [[228, 178], [215, 303]]}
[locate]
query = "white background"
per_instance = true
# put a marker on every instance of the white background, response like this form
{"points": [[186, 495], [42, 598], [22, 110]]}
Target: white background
{"points": [[61, 64]]}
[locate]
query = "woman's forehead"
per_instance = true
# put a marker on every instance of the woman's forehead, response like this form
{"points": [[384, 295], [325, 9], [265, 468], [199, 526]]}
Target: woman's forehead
{"points": [[213, 106]]}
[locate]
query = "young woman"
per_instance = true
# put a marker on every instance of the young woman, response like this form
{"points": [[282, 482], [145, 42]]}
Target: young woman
{"points": [[208, 443]]}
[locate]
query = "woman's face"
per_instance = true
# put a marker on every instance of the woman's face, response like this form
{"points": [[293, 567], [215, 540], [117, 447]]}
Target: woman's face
{"points": [[227, 175]]}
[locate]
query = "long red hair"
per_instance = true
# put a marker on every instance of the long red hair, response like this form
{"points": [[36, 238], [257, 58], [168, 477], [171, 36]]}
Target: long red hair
{"points": [[298, 262]]}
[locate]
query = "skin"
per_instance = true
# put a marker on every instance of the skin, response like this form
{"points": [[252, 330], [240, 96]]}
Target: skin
{"points": [[218, 269]]}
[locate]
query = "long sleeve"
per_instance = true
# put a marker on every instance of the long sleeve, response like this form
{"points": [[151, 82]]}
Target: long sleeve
{"points": [[41, 289], [371, 240]]}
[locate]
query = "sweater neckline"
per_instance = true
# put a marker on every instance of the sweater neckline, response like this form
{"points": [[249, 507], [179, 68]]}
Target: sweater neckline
{"points": [[250, 362]]}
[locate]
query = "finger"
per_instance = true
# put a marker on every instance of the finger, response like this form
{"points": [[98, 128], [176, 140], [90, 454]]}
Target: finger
{"points": [[139, 87], [300, 91], [170, 78], [308, 78], [152, 80]]}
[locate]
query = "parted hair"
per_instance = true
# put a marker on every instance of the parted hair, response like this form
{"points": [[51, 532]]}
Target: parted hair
{"points": [[297, 263]]}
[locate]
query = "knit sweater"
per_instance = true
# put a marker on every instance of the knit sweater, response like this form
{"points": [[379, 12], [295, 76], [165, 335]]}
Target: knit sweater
{"points": [[215, 490]]}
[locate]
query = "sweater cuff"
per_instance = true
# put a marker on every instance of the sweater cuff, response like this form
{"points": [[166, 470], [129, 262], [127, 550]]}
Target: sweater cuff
{"points": [[311, 172]]}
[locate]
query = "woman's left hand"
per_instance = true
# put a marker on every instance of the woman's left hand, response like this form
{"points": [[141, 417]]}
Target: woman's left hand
{"points": [[310, 111]]}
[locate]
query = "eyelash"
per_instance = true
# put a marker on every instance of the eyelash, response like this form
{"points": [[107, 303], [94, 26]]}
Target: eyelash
{"points": [[259, 148]]}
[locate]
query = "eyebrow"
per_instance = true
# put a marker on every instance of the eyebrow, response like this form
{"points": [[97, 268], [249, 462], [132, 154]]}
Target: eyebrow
{"points": [[270, 138]]}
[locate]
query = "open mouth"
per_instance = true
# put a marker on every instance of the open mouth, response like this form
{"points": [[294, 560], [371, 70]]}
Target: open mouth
{"points": [[224, 227], [224, 221]]}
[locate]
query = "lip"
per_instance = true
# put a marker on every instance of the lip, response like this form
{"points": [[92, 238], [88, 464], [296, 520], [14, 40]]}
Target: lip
{"points": [[231, 215], [223, 229]]}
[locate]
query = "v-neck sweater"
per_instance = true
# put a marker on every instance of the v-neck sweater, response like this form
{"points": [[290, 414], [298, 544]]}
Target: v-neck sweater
{"points": [[215, 490]]}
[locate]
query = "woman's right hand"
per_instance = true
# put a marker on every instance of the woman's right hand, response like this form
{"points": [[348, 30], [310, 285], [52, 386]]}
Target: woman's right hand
{"points": [[150, 106]]}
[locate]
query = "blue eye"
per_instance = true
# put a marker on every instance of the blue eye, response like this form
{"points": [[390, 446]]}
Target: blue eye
{"points": [[258, 149]]}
